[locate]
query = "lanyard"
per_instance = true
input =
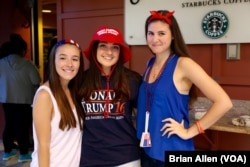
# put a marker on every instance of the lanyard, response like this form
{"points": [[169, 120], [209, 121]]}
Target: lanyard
{"points": [[150, 93], [107, 101], [145, 138]]}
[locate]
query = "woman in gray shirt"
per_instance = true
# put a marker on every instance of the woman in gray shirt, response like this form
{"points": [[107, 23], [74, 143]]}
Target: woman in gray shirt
{"points": [[19, 79]]}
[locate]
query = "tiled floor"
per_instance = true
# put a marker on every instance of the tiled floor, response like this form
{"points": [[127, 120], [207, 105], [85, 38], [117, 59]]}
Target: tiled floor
{"points": [[11, 162]]}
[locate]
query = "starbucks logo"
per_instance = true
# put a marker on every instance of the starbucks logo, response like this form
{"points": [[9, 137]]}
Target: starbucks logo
{"points": [[215, 24]]}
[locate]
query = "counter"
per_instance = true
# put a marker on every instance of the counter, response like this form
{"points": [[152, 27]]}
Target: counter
{"points": [[223, 135], [240, 107]]}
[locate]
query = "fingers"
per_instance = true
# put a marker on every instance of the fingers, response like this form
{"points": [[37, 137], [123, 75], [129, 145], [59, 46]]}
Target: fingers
{"points": [[172, 127], [168, 131], [168, 127]]}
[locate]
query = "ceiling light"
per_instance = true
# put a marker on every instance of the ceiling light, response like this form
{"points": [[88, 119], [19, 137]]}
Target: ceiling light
{"points": [[46, 11]]}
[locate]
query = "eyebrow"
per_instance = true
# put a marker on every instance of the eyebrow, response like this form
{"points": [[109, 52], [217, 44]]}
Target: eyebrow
{"points": [[108, 42]]}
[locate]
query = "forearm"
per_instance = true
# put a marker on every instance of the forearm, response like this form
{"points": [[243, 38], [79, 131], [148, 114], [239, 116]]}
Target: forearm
{"points": [[43, 156], [216, 111]]}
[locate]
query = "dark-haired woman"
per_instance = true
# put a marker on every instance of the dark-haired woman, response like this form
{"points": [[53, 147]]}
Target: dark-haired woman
{"points": [[109, 94], [19, 80], [168, 89]]}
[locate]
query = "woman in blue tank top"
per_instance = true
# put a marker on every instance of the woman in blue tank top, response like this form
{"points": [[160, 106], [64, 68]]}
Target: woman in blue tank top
{"points": [[168, 89]]}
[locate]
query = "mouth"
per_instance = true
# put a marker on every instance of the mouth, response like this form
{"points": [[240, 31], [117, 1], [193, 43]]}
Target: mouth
{"points": [[68, 70], [107, 57], [156, 45]]}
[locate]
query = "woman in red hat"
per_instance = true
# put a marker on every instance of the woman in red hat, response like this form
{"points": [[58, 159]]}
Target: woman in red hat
{"points": [[109, 94]]}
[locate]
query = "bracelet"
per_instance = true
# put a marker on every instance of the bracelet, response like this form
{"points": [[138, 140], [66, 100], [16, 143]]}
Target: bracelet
{"points": [[201, 131]]}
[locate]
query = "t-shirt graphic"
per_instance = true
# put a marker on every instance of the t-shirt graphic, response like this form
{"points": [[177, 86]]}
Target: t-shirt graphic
{"points": [[101, 101]]}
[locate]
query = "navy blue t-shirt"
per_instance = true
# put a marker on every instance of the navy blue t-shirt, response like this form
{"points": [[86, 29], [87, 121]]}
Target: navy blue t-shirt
{"points": [[109, 141]]}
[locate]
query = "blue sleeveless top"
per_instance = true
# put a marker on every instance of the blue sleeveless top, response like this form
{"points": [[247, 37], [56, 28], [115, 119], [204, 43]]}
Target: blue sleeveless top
{"points": [[166, 102]]}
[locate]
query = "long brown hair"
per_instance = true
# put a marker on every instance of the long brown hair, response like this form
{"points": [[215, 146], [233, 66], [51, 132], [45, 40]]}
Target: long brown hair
{"points": [[67, 116], [178, 45]]}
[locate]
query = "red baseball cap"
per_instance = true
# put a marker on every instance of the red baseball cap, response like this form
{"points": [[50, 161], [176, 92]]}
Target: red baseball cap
{"points": [[110, 35]]}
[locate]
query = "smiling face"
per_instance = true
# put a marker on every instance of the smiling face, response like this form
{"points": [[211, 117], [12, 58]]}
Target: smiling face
{"points": [[107, 55], [67, 61], [159, 37]]}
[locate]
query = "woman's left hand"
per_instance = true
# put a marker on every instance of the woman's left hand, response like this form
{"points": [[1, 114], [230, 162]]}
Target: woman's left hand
{"points": [[173, 127]]}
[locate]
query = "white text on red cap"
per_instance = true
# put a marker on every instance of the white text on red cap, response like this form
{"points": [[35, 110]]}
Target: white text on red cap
{"points": [[107, 31]]}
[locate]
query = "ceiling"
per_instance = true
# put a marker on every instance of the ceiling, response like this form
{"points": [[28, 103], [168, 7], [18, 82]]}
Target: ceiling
{"points": [[48, 2], [49, 5]]}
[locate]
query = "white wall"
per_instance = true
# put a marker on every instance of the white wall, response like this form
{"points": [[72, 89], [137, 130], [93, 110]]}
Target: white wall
{"points": [[190, 19]]}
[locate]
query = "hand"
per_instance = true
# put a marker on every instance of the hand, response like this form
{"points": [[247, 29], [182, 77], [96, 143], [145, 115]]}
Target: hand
{"points": [[173, 127]]}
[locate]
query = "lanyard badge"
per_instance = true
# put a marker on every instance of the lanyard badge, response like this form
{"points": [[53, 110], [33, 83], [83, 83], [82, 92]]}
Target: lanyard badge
{"points": [[145, 138]]}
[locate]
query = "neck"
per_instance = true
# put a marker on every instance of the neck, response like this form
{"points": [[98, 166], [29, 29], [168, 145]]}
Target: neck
{"points": [[106, 70], [161, 58], [64, 84]]}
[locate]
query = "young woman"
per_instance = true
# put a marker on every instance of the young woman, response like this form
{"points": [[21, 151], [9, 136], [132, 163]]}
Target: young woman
{"points": [[109, 95], [167, 89], [57, 114]]}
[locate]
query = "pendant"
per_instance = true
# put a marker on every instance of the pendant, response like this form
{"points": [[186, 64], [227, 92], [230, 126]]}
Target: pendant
{"points": [[145, 140]]}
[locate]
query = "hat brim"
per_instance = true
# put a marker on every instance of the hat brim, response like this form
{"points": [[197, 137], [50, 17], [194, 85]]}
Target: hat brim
{"points": [[126, 52]]}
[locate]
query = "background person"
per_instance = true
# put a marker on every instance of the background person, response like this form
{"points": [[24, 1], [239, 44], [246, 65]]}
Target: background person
{"points": [[19, 79]]}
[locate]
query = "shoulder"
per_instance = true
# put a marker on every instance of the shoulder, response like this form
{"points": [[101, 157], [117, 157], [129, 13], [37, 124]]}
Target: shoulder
{"points": [[188, 68], [29, 63], [187, 64], [42, 99], [43, 95], [131, 74], [185, 60]]}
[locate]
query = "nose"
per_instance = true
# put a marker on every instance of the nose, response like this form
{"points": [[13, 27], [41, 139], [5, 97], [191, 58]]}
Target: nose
{"points": [[155, 38], [69, 62], [109, 50]]}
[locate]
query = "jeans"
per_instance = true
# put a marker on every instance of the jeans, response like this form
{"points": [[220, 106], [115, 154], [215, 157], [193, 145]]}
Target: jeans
{"points": [[147, 161]]}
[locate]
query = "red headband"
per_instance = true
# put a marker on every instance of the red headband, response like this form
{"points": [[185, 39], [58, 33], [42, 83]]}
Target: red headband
{"points": [[157, 15]]}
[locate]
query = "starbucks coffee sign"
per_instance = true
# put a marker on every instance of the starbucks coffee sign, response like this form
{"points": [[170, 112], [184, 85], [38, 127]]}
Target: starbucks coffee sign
{"points": [[215, 24], [201, 22]]}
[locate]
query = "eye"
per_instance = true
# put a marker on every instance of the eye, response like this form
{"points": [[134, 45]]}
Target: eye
{"points": [[116, 47], [102, 45], [150, 33], [61, 57], [162, 33], [76, 58]]}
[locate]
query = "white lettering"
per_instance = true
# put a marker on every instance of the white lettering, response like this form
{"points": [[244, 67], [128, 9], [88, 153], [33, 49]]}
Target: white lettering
{"points": [[180, 158]]}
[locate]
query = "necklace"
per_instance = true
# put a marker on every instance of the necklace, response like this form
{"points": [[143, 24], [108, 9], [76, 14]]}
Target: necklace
{"points": [[149, 93], [156, 72]]}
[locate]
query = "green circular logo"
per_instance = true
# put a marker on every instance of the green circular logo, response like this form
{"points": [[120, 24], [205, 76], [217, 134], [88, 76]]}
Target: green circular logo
{"points": [[215, 24]]}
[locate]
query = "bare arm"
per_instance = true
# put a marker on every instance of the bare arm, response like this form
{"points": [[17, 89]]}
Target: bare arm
{"points": [[188, 73], [42, 113]]}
